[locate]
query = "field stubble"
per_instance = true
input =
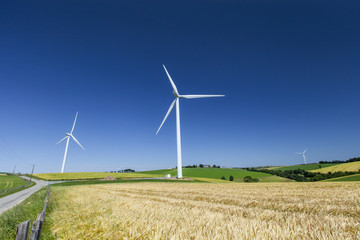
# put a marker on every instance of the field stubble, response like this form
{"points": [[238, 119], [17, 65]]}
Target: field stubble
{"points": [[206, 211]]}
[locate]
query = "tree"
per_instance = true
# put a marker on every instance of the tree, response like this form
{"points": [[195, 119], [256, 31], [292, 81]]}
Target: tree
{"points": [[223, 178], [248, 179], [201, 166], [231, 178]]}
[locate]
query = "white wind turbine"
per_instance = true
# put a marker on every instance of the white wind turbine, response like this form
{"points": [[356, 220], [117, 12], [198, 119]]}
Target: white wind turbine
{"points": [[303, 154], [176, 101], [68, 136]]}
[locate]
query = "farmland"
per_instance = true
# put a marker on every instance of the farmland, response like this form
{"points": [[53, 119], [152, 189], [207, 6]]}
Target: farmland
{"points": [[205, 211], [215, 173], [351, 166], [10, 181], [307, 167], [201, 173], [91, 175], [355, 177]]}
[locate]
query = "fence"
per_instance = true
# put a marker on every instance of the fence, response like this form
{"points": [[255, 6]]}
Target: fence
{"points": [[7, 190], [23, 228]]}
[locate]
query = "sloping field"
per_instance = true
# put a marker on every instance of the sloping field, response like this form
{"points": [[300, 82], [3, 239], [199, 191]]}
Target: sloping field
{"points": [[352, 166], [215, 173], [355, 177], [212, 173], [307, 167], [92, 175], [10, 181], [205, 211], [274, 178]]}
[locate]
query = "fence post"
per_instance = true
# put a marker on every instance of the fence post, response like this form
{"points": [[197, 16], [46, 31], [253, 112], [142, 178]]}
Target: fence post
{"points": [[22, 230], [37, 224], [36, 228]]}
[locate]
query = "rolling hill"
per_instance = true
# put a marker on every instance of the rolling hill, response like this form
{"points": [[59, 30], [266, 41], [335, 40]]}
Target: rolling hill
{"points": [[351, 166], [214, 173], [355, 177], [307, 167], [198, 173]]}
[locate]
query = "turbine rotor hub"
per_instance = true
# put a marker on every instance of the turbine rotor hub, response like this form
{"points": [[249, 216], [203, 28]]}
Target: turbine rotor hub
{"points": [[175, 94]]}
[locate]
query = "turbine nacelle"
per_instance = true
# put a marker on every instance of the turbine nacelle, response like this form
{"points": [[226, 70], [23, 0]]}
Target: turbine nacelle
{"points": [[176, 95]]}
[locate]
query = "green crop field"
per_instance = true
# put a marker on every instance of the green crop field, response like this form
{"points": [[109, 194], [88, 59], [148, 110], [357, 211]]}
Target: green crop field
{"points": [[200, 173], [9, 181], [307, 167], [350, 178], [91, 175], [352, 167], [214, 173]]}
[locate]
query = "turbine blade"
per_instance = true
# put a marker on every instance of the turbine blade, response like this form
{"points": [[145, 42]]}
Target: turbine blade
{"points": [[305, 150], [171, 81], [77, 141], [200, 96], [63, 139], [74, 123], [167, 114]]}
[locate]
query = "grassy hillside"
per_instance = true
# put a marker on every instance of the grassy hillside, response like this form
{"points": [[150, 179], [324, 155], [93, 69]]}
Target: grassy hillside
{"points": [[306, 167], [355, 177], [199, 173], [91, 175], [352, 166], [274, 178], [9, 181], [215, 173]]}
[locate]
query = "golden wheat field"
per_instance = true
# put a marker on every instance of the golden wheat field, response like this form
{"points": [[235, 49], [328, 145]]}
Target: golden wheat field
{"points": [[206, 211]]}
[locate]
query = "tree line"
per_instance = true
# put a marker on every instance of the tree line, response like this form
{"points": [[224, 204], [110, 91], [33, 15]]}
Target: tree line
{"points": [[301, 175], [339, 161], [201, 166]]}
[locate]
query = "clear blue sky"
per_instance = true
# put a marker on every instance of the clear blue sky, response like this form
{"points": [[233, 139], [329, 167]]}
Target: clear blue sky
{"points": [[290, 71]]}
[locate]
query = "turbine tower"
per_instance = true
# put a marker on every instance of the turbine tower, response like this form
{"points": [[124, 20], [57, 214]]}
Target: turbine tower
{"points": [[177, 103], [68, 136], [303, 154]]}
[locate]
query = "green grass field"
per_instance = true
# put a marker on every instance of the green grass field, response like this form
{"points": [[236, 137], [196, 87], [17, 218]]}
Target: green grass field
{"points": [[214, 173], [307, 167], [352, 167], [10, 181], [350, 178], [198, 173]]}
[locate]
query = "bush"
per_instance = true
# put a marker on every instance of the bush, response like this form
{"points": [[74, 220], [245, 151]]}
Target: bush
{"points": [[223, 178], [248, 179], [231, 178]]}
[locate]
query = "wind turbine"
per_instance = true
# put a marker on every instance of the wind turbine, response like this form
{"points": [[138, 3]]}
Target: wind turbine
{"points": [[68, 136], [303, 154], [177, 103]]}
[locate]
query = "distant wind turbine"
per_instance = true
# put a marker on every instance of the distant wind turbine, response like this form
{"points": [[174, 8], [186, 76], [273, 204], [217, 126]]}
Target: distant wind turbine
{"points": [[303, 154], [68, 136], [176, 101]]}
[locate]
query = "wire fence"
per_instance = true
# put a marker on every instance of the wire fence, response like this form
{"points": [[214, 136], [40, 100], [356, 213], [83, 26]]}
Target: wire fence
{"points": [[13, 189]]}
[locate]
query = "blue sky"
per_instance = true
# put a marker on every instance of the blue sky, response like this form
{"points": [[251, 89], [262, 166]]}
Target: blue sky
{"points": [[289, 70]]}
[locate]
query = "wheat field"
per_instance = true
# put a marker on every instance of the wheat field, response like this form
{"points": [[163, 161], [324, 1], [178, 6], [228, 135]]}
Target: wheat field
{"points": [[206, 211]]}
